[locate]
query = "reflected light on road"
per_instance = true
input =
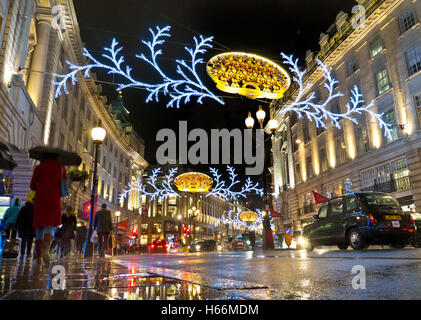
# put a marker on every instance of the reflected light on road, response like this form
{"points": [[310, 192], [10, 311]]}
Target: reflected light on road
{"points": [[305, 282], [303, 254]]}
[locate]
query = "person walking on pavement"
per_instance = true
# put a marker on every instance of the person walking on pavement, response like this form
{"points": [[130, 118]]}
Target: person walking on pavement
{"points": [[103, 225], [25, 229], [68, 221], [81, 235], [9, 220], [46, 181]]}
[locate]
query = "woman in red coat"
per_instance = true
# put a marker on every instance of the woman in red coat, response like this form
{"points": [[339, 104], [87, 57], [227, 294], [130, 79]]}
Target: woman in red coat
{"points": [[46, 181]]}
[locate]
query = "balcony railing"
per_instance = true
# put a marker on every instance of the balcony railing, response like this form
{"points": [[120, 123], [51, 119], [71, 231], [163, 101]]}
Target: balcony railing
{"points": [[393, 185]]}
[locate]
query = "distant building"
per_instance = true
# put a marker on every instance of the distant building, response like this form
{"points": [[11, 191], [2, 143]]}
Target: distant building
{"points": [[165, 219], [33, 49], [384, 60]]}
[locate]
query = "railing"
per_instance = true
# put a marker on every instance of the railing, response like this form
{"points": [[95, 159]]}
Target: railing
{"points": [[393, 185]]}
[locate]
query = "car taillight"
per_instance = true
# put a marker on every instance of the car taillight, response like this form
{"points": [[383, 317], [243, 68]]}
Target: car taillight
{"points": [[166, 245], [412, 220], [152, 246], [372, 220]]}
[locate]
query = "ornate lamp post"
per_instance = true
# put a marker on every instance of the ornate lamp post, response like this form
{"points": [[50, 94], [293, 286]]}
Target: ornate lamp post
{"points": [[117, 215], [98, 135], [193, 213], [273, 126]]}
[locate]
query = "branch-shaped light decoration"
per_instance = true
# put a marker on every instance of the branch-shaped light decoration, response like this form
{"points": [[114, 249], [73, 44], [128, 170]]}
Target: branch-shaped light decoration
{"points": [[181, 90], [319, 112], [225, 190], [162, 190]]}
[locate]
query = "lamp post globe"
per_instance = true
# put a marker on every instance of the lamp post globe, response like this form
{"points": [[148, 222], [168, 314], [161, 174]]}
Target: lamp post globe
{"points": [[261, 115], [273, 124], [249, 121], [98, 135]]}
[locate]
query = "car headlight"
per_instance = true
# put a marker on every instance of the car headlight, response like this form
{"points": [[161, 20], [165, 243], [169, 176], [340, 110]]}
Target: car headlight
{"points": [[248, 242], [219, 247], [197, 247], [302, 241]]}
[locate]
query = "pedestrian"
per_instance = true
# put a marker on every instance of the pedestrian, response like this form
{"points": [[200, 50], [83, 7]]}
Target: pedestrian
{"points": [[25, 229], [68, 221], [81, 235], [103, 226], [9, 220], [46, 181]]}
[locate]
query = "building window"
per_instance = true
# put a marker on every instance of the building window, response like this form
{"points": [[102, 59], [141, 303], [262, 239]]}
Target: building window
{"points": [[65, 106], [309, 167], [52, 132], [390, 118], [335, 109], [407, 21], [417, 102], [323, 160], [376, 46], [340, 150], [320, 130], [413, 59], [306, 132], [294, 143], [382, 81], [352, 66], [72, 121], [298, 173]]}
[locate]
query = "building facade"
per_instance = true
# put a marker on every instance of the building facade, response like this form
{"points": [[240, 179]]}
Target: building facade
{"points": [[166, 218], [383, 59], [36, 43]]}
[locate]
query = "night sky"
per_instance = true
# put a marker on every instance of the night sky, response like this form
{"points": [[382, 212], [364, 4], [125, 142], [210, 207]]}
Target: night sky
{"points": [[264, 27]]}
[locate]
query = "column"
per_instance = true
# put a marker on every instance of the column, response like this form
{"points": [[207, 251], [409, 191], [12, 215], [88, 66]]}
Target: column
{"points": [[39, 59]]}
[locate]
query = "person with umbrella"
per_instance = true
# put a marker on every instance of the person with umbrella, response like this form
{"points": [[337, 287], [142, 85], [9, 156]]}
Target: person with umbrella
{"points": [[47, 181]]}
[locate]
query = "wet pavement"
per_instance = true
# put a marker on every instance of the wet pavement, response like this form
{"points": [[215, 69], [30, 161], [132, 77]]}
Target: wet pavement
{"points": [[286, 274]]}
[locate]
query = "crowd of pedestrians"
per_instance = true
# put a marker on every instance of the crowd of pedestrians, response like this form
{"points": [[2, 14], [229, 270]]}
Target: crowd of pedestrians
{"points": [[42, 219]]}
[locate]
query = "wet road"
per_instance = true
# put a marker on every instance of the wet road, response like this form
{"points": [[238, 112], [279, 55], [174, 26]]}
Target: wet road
{"points": [[322, 274], [295, 274]]}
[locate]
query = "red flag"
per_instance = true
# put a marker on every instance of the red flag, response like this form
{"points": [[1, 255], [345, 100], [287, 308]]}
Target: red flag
{"points": [[86, 211], [275, 214], [319, 198]]}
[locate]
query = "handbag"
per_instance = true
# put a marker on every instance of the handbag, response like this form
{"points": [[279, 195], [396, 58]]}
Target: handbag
{"points": [[63, 187], [94, 237]]}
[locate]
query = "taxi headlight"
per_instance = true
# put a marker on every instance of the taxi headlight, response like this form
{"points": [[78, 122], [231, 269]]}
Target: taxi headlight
{"points": [[197, 247], [302, 241]]}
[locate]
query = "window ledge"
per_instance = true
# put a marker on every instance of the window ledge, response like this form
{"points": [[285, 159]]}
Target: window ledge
{"points": [[415, 26], [383, 94], [377, 55], [413, 76]]}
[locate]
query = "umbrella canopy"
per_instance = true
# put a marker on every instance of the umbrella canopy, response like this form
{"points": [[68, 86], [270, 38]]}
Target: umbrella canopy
{"points": [[65, 158], [5, 146], [6, 161]]}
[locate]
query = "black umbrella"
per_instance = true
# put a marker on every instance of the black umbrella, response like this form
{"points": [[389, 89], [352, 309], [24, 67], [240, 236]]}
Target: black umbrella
{"points": [[5, 146], [66, 158], [6, 161]]}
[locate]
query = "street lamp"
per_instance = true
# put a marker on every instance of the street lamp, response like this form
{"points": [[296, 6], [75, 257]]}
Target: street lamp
{"points": [[193, 213], [273, 125], [98, 135]]}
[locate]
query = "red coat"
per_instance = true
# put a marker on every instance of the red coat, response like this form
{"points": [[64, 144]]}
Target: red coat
{"points": [[46, 181]]}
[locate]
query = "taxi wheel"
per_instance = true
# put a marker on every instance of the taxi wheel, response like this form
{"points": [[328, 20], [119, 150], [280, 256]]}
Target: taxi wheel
{"points": [[397, 245], [355, 239], [343, 246]]}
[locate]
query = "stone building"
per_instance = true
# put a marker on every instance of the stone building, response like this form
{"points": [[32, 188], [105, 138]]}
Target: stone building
{"points": [[383, 59], [38, 37]]}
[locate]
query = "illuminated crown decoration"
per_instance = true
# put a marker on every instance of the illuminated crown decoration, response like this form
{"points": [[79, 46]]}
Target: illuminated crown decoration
{"points": [[248, 216], [193, 182], [249, 75]]}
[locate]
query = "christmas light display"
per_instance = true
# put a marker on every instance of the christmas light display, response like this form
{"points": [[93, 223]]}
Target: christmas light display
{"points": [[162, 190], [236, 222], [225, 190], [320, 112], [193, 182], [188, 86]]}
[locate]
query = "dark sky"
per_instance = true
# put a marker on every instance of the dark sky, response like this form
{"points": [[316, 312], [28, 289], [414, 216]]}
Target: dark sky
{"points": [[264, 27]]}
